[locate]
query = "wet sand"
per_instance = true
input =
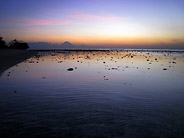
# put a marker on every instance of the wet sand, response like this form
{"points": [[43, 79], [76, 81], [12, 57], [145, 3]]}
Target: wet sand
{"points": [[94, 94], [11, 57]]}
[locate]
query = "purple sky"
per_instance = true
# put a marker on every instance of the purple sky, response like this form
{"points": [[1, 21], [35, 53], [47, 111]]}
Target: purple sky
{"points": [[94, 22]]}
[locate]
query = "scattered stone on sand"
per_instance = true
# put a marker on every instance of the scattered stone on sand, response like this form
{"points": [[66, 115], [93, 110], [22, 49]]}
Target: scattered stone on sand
{"points": [[115, 68]]}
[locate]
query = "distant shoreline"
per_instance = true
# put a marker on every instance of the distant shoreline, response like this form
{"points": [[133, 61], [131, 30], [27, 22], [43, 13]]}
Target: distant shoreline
{"points": [[95, 50], [11, 57]]}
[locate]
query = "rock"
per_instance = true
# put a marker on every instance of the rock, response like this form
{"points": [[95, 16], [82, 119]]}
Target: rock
{"points": [[70, 69]]}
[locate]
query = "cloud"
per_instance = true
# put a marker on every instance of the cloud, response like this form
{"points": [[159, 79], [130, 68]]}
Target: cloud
{"points": [[96, 17], [33, 22]]}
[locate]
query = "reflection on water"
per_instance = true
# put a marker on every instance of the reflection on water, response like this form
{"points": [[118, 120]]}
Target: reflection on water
{"points": [[88, 94]]}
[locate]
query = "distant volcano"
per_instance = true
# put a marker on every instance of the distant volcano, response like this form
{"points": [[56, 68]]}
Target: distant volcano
{"points": [[67, 44]]}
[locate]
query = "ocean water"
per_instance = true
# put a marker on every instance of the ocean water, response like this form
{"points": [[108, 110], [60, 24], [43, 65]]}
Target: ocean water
{"points": [[132, 94]]}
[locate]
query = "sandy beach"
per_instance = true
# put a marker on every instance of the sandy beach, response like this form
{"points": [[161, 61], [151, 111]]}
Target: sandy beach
{"points": [[11, 57]]}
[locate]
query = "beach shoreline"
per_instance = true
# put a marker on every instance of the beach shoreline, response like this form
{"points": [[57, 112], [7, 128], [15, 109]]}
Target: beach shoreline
{"points": [[11, 57]]}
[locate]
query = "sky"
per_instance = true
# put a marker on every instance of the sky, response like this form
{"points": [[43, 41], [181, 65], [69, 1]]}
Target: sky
{"points": [[111, 23]]}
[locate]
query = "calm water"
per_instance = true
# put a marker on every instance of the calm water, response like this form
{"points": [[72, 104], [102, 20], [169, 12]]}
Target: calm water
{"points": [[107, 94]]}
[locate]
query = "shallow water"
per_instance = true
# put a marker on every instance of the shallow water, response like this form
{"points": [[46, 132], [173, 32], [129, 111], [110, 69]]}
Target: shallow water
{"points": [[107, 94]]}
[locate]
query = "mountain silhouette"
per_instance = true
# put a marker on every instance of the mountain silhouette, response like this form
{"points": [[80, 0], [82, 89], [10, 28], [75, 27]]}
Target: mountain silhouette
{"points": [[67, 44]]}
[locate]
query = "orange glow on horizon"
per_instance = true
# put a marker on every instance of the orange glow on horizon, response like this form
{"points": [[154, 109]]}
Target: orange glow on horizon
{"points": [[108, 41]]}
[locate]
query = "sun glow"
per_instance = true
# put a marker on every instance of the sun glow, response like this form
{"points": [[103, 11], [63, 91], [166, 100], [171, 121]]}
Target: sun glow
{"points": [[122, 30]]}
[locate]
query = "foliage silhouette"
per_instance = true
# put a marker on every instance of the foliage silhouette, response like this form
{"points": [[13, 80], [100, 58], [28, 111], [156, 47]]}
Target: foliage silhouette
{"points": [[2, 43], [15, 44]]}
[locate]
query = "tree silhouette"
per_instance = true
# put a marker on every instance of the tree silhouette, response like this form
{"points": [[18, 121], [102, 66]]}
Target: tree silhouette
{"points": [[15, 44], [2, 43]]}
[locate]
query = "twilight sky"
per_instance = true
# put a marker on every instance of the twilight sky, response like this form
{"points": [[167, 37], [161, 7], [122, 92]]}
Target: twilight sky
{"points": [[95, 22]]}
